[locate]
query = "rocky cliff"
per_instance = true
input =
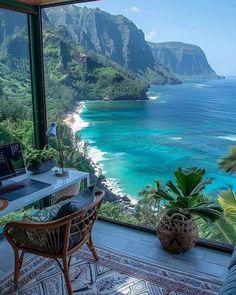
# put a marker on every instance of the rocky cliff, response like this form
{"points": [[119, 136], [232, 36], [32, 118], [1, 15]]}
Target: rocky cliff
{"points": [[113, 36], [72, 73], [185, 60]]}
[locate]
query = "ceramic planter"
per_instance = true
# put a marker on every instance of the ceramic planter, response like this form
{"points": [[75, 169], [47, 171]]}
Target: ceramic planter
{"points": [[38, 168]]}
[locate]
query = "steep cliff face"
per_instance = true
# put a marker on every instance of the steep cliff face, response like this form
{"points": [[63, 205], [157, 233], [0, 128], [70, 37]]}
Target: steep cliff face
{"points": [[10, 23], [186, 60], [89, 75], [71, 72], [115, 37]]}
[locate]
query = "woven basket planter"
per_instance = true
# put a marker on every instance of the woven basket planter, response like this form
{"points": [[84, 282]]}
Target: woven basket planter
{"points": [[178, 233]]}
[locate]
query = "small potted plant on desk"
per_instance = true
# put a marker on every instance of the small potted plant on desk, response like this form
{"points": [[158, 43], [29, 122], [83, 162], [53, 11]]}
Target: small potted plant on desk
{"points": [[180, 203], [40, 161]]}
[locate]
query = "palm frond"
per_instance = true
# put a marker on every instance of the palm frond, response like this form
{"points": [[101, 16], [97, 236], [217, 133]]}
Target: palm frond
{"points": [[172, 187], [207, 212], [228, 163], [190, 181], [227, 200], [217, 231]]}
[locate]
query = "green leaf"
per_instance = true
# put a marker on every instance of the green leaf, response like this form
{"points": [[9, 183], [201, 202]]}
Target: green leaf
{"points": [[228, 163], [227, 200], [173, 188], [208, 213], [220, 230]]}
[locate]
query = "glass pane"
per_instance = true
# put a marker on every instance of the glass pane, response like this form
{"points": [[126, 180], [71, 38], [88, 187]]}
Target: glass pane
{"points": [[16, 115], [64, 86], [16, 120], [144, 90]]}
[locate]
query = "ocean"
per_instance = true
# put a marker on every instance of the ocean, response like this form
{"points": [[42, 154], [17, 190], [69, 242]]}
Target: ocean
{"points": [[186, 125]]}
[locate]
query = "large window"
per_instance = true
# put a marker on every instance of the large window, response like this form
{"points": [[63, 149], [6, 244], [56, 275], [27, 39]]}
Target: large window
{"points": [[16, 114], [140, 91]]}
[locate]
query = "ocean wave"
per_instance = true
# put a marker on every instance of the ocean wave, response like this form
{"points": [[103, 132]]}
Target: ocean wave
{"points": [[153, 97], [200, 85], [120, 154], [176, 138], [228, 137], [96, 155]]}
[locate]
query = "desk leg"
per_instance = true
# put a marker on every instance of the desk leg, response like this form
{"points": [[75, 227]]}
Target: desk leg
{"points": [[45, 202], [88, 180]]}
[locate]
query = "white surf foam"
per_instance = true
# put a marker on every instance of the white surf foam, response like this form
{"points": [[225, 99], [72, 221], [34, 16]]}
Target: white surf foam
{"points": [[199, 85], [154, 97], [95, 154], [74, 121], [176, 137], [228, 137]]}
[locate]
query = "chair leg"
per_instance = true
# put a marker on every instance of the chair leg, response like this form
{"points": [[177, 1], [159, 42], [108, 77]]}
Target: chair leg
{"points": [[67, 276], [90, 244], [18, 264]]}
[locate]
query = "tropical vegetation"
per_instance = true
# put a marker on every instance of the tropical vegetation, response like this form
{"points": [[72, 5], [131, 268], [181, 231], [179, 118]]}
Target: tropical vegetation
{"points": [[185, 197], [216, 220], [39, 156], [73, 74], [228, 163]]}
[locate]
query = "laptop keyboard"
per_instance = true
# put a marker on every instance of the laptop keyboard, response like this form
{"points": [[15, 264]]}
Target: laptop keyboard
{"points": [[22, 188]]}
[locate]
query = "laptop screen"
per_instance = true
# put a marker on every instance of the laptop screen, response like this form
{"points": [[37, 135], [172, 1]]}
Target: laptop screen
{"points": [[11, 161]]}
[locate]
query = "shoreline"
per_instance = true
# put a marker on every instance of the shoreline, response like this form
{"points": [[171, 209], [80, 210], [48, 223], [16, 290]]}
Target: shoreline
{"points": [[114, 193]]}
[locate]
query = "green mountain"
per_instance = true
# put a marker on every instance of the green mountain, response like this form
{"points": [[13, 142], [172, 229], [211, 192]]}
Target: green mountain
{"points": [[71, 72], [89, 75], [185, 60], [113, 36]]}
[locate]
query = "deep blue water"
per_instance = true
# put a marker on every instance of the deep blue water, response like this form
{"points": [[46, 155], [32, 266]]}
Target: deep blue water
{"points": [[192, 124]]}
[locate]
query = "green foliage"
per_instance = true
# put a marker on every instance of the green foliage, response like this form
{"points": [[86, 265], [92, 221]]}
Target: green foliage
{"points": [[185, 196], [227, 200], [228, 163], [149, 207], [84, 75], [115, 212], [15, 216], [220, 230], [19, 130], [8, 104], [146, 213], [39, 156]]}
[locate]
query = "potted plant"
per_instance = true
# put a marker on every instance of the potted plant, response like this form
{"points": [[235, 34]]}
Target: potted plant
{"points": [[180, 203], [40, 161]]}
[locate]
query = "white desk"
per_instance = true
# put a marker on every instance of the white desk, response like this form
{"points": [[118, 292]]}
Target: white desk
{"points": [[57, 184]]}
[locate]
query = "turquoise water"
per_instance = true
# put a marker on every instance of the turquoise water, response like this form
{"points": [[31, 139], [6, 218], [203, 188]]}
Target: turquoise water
{"points": [[192, 124]]}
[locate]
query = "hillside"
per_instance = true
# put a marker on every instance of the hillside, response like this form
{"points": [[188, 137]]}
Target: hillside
{"points": [[113, 36], [72, 73], [185, 60]]}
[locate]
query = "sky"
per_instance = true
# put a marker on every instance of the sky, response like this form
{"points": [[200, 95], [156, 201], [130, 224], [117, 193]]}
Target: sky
{"points": [[210, 24]]}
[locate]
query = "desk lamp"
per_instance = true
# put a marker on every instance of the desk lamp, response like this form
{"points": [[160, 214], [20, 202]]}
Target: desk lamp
{"points": [[53, 132]]}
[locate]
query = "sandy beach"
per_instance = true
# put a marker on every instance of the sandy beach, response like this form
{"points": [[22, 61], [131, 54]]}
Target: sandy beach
{"points": [[113, 191]]}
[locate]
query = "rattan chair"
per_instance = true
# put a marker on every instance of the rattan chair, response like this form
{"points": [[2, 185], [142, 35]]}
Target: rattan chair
{"points": [[57, 239]]}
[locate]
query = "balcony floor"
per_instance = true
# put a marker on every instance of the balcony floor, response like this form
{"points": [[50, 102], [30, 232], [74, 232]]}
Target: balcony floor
{"points": [[199, 260]]}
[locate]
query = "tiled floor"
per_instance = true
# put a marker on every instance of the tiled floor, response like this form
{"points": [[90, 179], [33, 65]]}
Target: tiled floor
{"points": [[147, 246]]}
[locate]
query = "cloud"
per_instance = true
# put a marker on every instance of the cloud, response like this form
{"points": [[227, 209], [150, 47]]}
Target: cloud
{"points": [[151, 36], [135, 9]]}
